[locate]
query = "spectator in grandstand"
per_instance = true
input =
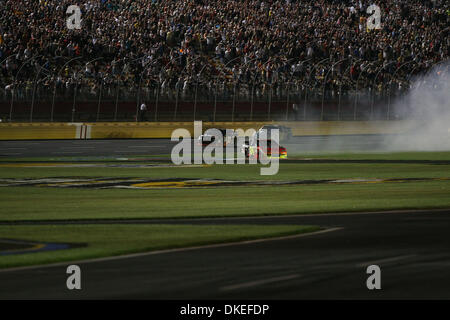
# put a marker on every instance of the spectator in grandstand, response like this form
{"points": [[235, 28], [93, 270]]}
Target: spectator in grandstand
{"points": [[143, 112]]}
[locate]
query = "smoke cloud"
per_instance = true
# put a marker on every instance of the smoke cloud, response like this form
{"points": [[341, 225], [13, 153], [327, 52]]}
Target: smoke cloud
{"points": [[428, 105], [426, 108]]}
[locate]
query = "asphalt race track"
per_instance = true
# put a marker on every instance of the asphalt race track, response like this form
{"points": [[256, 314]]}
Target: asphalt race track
{"points": [[123, 148], [411, 248], [83, 148]]}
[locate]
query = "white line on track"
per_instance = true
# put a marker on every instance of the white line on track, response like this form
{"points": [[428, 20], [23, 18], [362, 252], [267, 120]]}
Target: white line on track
{"points": [[151, 253], [15, 142], [77, 147], [385, 261], [128, 151], [90, 142], [145, 146], [259, 282], [66, 152]]}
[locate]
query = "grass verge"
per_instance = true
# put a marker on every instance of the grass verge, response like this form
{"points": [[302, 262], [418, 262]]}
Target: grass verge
{"points": [[112, 240], [31, 203]]}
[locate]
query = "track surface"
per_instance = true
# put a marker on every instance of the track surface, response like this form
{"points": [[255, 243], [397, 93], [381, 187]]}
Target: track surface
{"points": [[119, 148], [411, 248]]}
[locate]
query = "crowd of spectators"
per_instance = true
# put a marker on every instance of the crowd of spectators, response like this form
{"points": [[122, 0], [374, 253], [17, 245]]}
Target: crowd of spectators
{"points": [[173, 45]]}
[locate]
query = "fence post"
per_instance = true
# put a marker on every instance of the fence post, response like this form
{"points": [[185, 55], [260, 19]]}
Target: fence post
{"points": [[251, 101], [389, 100], [373, 102], [138, 97], [53, 102], [13, 92], [323, 97], [99, 101], [157, 99], [74, 101], [287, 101], [195, 97], [176, 101], [304, 104], [339, 103], [371, 97], [32, 100], [215, 100], [234, 101], [117, 100], [270, 102]]}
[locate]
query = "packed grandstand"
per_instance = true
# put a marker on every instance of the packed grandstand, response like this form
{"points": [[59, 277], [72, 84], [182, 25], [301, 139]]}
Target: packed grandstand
{"points": [[249, 46]]}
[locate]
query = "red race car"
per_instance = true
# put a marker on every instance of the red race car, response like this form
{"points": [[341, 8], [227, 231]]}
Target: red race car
{"points": [[258, 148]]}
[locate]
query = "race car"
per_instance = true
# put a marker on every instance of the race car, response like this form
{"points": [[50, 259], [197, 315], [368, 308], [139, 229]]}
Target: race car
{"points": [[285, 133], [207, 139], [262, 148]]}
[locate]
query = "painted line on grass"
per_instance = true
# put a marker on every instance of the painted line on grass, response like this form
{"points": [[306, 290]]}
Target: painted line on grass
{"points": [[176, 250]]}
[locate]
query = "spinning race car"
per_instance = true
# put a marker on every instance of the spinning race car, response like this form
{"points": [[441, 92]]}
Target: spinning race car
{"points": [[207, 139], [285, 133], [263, 148]]}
